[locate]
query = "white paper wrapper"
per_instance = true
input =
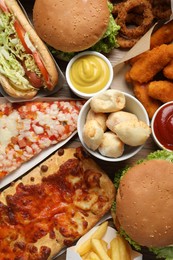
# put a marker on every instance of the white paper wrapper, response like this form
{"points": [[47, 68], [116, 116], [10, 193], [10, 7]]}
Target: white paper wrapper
{"points": [[119, 57], [110, 234]]}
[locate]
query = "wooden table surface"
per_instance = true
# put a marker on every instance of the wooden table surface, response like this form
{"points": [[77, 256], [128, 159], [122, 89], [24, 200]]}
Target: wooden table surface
{"points": [[110, 168]]}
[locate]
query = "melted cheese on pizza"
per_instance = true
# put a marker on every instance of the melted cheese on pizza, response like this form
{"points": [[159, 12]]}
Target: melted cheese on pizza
{"points": [[58, 208], [28, 128]]}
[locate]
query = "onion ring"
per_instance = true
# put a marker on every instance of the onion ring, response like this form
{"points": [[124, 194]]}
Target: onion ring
{"points": [[159, 12], [125, 42], [161, 9], [134, 19], [147, 18], [117, 8]]}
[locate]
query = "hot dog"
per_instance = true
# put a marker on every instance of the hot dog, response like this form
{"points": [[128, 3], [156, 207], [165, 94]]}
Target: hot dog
{"points": [[25, 63]]}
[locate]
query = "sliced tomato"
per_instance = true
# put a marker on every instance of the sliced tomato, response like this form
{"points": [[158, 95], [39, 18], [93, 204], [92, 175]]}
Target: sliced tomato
{"points": [[21, 34], [42, 69], [3, 6]]}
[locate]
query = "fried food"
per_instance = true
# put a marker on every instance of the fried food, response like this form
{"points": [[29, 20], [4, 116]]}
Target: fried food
{"points": [[161, 9], [141, 93], [134, 32], [162, 35], [139, 56], [126, 43], [133, 132], [120, 249], [136, 13], [135, 17], [108, 101], [111, 145], [92, 134], [168, 70], [151, 72], [154, 61], [85, 247], [99, 117], [161, 90]]}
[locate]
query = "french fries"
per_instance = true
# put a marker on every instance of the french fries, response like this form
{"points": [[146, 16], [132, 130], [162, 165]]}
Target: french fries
{"points": [[96, 248], [98, 234], [120, 249], [99, 249]]}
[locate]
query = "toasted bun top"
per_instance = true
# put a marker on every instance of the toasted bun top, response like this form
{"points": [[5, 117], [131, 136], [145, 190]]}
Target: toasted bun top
{"points": [[71, 26], [144, 203]]}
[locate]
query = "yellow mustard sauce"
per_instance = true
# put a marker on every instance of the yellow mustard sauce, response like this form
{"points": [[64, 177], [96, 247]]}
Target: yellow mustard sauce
{"points": [[89, 74]]}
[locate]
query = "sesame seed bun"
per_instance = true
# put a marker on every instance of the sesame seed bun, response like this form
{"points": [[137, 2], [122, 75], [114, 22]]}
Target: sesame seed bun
{"points": [[71, 26], [144, 203]]}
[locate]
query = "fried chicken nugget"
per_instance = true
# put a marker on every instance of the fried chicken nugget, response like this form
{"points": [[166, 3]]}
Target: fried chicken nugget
{"points": [[136, 58], [143, 70], [141, 93], [168, 70], [162, 35], [161, 90]]}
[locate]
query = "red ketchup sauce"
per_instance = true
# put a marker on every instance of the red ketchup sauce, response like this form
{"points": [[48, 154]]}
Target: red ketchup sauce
{"points": [[163, 126]]}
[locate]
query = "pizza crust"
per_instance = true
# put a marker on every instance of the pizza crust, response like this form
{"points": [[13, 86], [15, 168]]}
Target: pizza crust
{"points": [[85, 214]]}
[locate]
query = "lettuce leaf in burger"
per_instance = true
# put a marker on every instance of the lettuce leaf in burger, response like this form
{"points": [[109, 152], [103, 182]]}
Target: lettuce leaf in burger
{"points": [[73, 26], [143, 210]]}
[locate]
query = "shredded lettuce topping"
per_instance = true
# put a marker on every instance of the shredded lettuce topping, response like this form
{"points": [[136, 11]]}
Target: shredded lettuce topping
{"points": [[162, 252], [108, 41], [12, 54], [105, 45]]}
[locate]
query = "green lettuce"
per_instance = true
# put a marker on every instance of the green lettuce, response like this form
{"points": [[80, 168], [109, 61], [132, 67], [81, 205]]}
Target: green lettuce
{"points": [[162, 252], [107, 43], [12, 54]]}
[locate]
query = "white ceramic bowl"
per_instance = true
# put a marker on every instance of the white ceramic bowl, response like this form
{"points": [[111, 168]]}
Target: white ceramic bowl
{"points": [[162, 126], [133, 106], [80, 93]]}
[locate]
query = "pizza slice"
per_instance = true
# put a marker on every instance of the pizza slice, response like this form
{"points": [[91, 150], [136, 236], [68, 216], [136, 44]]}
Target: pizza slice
{"points": [[28, 128], [53, 206]]}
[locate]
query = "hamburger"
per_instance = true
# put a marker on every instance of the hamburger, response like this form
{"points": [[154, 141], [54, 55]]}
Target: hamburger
{"points": [[26, 65], [69, 27], [143, 210]]}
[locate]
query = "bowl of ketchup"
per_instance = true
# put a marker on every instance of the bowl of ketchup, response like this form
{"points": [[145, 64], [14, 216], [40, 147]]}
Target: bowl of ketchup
{"points": [[162, 126]]}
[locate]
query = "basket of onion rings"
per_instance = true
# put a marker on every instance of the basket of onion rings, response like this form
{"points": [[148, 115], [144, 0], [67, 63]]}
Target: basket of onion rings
{"points": [[135, 17]]}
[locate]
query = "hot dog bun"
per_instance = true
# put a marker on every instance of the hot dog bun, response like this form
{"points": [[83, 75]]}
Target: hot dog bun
{"points": [[11, 91], [40, 48]]}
